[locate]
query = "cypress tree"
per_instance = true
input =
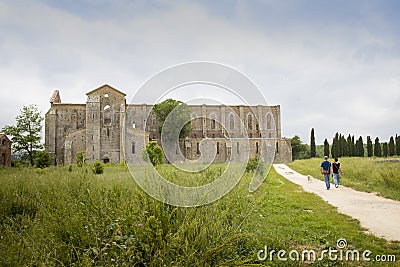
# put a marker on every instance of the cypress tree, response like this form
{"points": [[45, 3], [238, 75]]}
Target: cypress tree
{"points": [[385, 150], [313, 151], [353, 146], [360, 149], [397, 145], [333, 148], [349, 146], [369, 146], [326, 148], [377, 148], [345, 148], [357, 149], [392, 148]]}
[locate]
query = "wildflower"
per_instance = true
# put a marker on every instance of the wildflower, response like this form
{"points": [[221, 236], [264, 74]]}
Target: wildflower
{"points": [[140, 224]]}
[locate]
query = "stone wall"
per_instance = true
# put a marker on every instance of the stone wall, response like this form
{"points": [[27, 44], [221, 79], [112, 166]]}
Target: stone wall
{"points": [[108, 129], [5, 151]]}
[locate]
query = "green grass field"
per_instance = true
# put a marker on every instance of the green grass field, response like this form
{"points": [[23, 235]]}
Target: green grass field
{"points": [[55, 217], [380, 175]]}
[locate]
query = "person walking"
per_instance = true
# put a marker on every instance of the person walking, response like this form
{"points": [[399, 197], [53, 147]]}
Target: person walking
{"points": [[326, 171], [336, 171]]}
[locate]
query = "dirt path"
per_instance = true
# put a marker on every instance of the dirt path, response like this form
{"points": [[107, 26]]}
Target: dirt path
{"points": [[379, 215]]}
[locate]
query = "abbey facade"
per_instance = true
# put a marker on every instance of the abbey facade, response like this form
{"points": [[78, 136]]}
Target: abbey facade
{"points": [[107, 129]]}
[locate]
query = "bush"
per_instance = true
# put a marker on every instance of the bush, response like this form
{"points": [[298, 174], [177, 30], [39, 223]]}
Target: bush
{"points": [[16, 163], [154, 153], [81, 159], [42, 159], [98, 167], [252, 164]]}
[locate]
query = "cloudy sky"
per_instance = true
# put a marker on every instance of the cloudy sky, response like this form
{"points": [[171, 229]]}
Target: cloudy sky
{"points": [[331, 65]]}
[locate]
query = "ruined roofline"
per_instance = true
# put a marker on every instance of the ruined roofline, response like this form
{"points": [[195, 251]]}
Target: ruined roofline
{"points": [[55, 98], [206, 105], [69, 104], [106, 85]]}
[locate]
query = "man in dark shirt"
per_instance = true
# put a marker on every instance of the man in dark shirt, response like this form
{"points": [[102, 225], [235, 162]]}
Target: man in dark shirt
{"points": [[326, 171], [336, 169]]}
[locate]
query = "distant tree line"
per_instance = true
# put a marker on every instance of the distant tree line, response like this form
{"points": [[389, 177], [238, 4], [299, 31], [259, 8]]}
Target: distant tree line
{"points": [[343, 146], [349, 147]]}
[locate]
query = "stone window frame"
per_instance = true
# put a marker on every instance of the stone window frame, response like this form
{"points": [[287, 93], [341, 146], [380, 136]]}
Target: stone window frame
{"points": [[249, 120], [213, 121], [232, 123]]}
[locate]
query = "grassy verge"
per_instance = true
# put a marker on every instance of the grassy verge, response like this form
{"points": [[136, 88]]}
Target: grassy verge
{"points": [[381, 175], [56, 217]]}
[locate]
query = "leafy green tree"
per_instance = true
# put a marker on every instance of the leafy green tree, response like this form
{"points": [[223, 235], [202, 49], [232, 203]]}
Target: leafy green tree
{"points": [[26, 134], [175, 118], [377, 148], [392, 147], [385, 150], [179, 117], [353, 144], [326, 148], [313, 151], [299, 150], [369, 147], [153, 153], [42, 159]]}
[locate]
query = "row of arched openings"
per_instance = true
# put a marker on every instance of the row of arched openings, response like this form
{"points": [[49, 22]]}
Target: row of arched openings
{"points": [[232, 121]]}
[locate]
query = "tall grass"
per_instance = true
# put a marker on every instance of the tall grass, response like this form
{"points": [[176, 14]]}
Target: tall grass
{"points": [[61, 217], [380, 175]]}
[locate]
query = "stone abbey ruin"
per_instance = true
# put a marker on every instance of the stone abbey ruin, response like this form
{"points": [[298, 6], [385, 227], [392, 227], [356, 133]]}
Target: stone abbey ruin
{"points": [[108, 129]]}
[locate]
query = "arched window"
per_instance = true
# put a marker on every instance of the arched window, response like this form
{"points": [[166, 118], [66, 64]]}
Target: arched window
{"points": [[107, 115], [257, 148], [133, 148], [231, 122], [250, 121], [269, 121], [154, 123], [193, 118], [213, 118]]}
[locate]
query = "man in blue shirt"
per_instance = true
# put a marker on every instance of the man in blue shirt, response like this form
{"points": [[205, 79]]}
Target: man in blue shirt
{"points": [[326, 171]]}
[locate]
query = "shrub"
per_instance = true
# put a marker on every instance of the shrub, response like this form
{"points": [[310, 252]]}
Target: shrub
{"points": [[16, 163], [154, 153], [98, 167], [42, 159], [252, 164], [81, 159]]}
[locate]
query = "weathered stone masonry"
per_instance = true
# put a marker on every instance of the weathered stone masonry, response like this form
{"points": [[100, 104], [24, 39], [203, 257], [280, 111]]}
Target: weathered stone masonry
{"points": [[106, 127]]}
